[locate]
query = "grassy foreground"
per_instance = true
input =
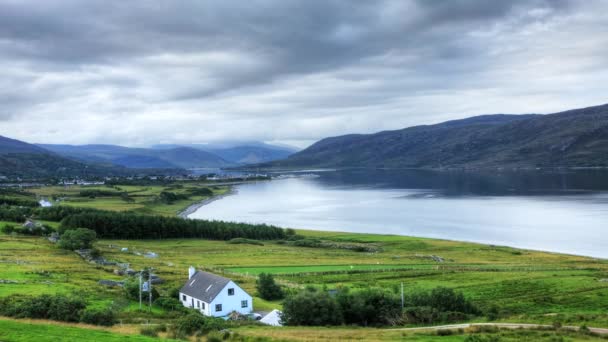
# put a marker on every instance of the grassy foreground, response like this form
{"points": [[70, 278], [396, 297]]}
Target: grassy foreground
{"points": [[17, 331], [527, 286]]}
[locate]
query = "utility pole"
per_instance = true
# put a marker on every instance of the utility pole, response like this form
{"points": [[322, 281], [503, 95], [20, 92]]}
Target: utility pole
{"points": [[150, 289], [402, 298], [140, 274]]}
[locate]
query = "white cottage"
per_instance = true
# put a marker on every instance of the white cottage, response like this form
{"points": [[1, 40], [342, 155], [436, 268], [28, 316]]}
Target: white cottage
{"points": [[213, 295]]}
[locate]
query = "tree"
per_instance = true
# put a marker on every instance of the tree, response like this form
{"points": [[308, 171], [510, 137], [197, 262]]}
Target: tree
{"points": [[373, 306], [310, 307], [267, 288], [80, 238]]}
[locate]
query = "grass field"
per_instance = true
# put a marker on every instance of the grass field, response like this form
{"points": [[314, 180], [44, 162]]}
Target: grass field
{"points": [[528, 286], [20, 331], [141, 199]]}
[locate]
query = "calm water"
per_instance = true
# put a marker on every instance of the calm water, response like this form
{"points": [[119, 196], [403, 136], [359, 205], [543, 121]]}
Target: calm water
{"points": [[563, 211]]}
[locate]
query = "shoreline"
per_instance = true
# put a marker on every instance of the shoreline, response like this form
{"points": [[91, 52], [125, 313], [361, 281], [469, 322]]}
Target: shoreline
{"points": [[194, 207]]}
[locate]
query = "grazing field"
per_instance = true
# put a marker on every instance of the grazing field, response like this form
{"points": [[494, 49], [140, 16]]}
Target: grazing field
{"points": [[518, 285], [142, 199], [19, 331]]}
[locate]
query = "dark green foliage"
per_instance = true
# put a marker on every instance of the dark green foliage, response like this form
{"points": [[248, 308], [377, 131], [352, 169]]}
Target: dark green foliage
{"points": [[237, 241], [148, 331], [14, 214], [308, 307], [20, 202], [443, 299], [80, 238], [92, 193], [439, 305], [8, 228], [131, 288], [201, 192], [97, 316], [170, 197], [371, 306], [267, 288], [55, 307], [112, 225], [197, 323], [168, 303]]}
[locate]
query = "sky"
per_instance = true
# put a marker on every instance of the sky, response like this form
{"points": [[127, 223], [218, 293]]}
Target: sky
{"points": [[139, 73]]}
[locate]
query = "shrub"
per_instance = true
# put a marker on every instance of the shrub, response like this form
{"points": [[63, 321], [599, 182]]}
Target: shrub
{"points": [[55, 307], [8, 229], [267, 288], [80, 238], [148, 331], [237, 241], [311, 308], [105, 317], [372, 306], [196, 323], [170, 303]]}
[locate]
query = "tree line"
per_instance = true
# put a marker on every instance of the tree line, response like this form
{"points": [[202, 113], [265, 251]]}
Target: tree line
{"points": [[112, 225], [375, 307]]}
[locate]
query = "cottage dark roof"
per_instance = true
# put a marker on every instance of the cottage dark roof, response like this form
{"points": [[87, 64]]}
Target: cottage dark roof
{"points": [[204, 286]]}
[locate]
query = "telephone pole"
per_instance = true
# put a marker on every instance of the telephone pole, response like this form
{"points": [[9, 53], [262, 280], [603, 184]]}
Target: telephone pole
{"points": [[402, 298], [140, 274], [150, 289]]}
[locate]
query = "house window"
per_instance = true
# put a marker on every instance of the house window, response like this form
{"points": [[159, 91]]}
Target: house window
{"points": [[231, 292], [244, 304], [203, 306], [184, 298], [198, 303], [218, 307]]}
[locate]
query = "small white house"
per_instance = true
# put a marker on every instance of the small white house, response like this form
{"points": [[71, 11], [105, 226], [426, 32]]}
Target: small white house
{"points": [[213, 295]]}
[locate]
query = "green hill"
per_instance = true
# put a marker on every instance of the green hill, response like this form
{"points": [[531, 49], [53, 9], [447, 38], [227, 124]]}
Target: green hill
{"points": [[574, 138]]}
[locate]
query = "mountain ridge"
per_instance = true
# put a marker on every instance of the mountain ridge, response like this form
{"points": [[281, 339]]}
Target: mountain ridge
{"points": [[573, 138]]}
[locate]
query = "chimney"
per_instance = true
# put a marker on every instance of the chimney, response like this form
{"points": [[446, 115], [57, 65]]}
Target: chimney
{"points": [[191, 272]]}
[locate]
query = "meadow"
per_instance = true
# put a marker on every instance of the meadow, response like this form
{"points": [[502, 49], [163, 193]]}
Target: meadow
{"points": [[526, 286]]}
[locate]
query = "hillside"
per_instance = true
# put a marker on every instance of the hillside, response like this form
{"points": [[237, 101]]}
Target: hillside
{"points": [[574, 138], [178, 157], [28, 161], [241, 152]]}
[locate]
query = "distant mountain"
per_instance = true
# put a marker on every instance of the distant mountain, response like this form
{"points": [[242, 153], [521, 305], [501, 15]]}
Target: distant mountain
{"points": [[20, 159], [178, 157], [241, 153], [568, 139]]}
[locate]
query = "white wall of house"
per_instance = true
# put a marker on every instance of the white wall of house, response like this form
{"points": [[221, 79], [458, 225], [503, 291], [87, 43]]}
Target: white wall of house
{"points": [[228, 302], [231, 302], [194, 303]]}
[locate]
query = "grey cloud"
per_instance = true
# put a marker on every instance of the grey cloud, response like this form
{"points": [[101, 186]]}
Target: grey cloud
{"points": [[292, 70]]}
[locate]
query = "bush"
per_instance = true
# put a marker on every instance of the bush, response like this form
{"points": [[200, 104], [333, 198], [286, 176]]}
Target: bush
{"points": [[267, 288], [148, 331], [105, 317], [196, 323], [372, 306], [131, 288], [80, 238], [55, 307], [311, 308], [170, 303], [8, 228]]}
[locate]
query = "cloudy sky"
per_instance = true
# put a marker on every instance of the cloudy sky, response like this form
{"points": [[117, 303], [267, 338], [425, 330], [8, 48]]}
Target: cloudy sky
{"points": [[146, 72]]}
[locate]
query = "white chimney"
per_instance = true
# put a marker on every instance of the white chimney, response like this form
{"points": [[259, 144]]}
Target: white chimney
{"points": [[191, 271]]}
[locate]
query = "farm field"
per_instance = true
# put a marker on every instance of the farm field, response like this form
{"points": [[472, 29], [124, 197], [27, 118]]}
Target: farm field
{"points": [[527, 286], [133, 198], [18, 331]]}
